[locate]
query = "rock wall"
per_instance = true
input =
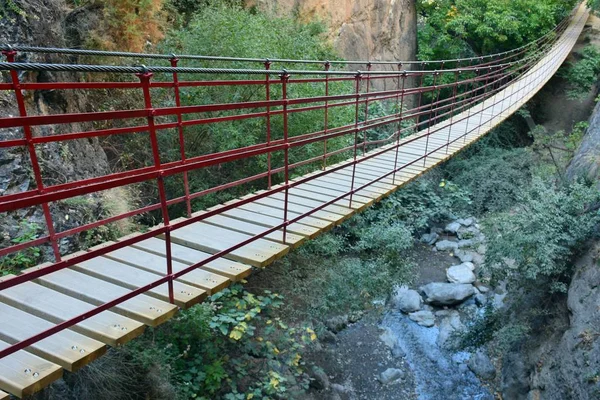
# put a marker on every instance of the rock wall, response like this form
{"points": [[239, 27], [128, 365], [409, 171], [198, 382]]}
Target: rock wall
{"points": [[586, 161], [44, 23], [358, 29], [564, 365]]}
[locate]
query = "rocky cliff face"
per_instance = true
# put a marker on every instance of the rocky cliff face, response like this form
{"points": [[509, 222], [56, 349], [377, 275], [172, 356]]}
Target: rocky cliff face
{"points": [[43, 23], [566, 363], [359, 29]]}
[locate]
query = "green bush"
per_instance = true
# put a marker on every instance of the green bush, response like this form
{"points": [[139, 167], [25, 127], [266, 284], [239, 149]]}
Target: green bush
{"points": [[493, 177], [582, 74], [533, 243], [230, 347]]}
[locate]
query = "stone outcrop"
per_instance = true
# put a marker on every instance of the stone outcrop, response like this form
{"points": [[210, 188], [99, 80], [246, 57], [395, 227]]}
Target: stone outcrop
{"points": [[358, 29]]}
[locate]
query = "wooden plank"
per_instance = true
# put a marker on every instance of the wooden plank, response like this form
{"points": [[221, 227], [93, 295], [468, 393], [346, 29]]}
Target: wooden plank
{"points": [[251, 229], [368, 193], [344, 186], [143, 308], [206, 280], [233, 270], [321, 197], [277, 213], [297, 228], [308, 190], [313, 202], [23, 374], [66, 348], [107, 327], [132, 278], [300, 209], [210, 238], [222, 266], [372, 187], [3, 395], [337, 177]]}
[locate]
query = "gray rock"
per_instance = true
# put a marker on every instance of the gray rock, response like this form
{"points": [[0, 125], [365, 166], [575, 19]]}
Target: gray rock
{"points": [[452, 227], [466, 221], [478, 259], [391, 375], [437, 230], [406, 300], [429, 238], [462, 273], [481, 365], [337, 324], [397, 352], [464, 255], [444, 245], [448, 326], [328, 337], [341, 389], [482, 288], [480, 300], [481, 249], [439, 293], [319, 379], [466, 243], [423, 318]]}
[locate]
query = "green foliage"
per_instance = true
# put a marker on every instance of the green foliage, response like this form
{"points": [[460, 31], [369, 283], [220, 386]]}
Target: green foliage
{"points": [[533, 243], [10, 10], [491, 327], [425, 201], [230, 347], [26, 258], [228, 30], [582, 74], [493, 177], [459, 28]]}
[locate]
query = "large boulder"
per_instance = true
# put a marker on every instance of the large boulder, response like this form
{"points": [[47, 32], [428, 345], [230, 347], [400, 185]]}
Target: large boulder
{"points": [[406, 300], [452, 227], [424, 318], [445, 245], [462, 273], [391, 375], [481, 365], [449, 324], [440, 293]]}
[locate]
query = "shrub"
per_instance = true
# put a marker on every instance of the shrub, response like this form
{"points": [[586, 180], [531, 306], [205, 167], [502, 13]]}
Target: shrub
{"points": [[583, 74], [494, 177], [129, 25], [230, 347], [534, 242]]}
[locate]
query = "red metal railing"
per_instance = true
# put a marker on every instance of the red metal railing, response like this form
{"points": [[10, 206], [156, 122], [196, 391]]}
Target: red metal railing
{"points": [[443, 94]]}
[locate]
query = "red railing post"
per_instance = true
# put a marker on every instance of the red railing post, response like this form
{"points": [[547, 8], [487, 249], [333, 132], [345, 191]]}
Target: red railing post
{"points": [[327, 65], [145, 81], [454, 91], [368, 84], [35, 165], [434, 86], [268, 119], [485, 85], [469, 106], [284, 95], [420, 86], [186, 185], [357, 93], [400, 109]]}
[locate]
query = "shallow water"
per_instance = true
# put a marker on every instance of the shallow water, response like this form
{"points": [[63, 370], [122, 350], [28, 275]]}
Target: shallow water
{"points": [[438, 377]]}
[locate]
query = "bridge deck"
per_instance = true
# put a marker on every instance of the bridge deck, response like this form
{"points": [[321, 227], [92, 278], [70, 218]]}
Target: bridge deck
{"points": [[34, 306]]}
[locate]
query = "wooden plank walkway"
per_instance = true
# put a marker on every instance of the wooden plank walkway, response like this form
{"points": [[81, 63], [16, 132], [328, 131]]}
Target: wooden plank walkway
{"points": [[32, 307]]}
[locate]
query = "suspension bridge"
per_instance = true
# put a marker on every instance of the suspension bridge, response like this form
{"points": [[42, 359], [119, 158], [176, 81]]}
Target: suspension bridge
{"points": [[62, 315]]}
